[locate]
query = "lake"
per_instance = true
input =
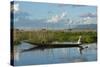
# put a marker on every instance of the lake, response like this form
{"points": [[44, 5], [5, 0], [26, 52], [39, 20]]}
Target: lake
{"points": [[24, 55]]}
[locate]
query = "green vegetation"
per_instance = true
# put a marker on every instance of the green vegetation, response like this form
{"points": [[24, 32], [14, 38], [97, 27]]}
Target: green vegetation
{"points": [[48, 36]]}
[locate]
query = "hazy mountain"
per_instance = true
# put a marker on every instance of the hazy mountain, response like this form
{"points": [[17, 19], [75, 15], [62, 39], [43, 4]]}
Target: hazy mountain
{"points": [[86, 26]]}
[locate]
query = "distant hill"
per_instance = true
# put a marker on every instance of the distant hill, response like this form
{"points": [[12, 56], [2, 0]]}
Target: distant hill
{"points": [[86, 26]]}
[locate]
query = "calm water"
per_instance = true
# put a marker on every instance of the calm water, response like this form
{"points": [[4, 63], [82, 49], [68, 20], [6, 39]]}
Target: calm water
{"points": [[23, 56]]}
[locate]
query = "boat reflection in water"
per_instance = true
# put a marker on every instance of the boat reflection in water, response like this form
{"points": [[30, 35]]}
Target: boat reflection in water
{"points": [[27, 54]]}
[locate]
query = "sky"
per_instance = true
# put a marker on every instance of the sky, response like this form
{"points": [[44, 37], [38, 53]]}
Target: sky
{"points": [[35, 15]]}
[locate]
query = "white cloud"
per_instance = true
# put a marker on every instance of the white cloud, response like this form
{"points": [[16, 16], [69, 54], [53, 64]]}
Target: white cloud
{"points": [[16, 7], [63, 15], [53, 19], [88, 20], [56, 18]]}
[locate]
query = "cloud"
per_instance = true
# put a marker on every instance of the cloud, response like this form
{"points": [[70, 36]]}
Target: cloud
{"points": [[62, 15], [92, 15], [56, 18], [88, 20], [16, 7]]}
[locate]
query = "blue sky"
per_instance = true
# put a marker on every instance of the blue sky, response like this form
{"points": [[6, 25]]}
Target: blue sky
{"points": [[48, 15]]}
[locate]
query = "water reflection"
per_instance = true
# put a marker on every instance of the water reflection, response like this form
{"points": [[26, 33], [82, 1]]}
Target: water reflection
{"points": [[27, 54], [16, 55]]}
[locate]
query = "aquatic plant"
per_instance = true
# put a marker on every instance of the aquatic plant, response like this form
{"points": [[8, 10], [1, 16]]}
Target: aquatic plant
{"points": [[48, 36]]}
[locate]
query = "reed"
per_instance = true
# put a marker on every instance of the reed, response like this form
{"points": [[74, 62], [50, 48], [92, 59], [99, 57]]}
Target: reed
{"points": [[48, 36]]}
